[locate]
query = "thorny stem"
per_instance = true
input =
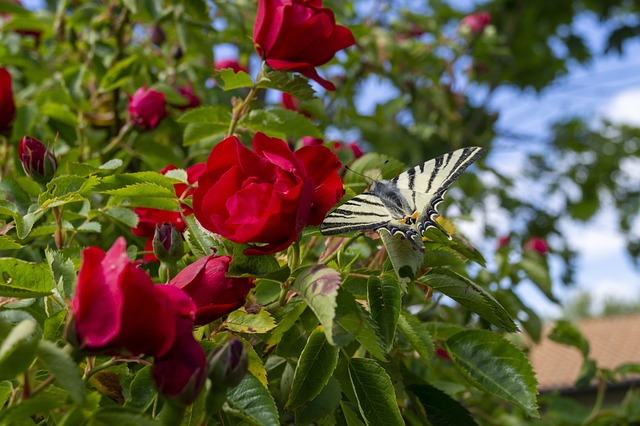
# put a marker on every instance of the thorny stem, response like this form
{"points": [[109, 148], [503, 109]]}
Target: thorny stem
{"points": [[58, 234], [241, 109]]}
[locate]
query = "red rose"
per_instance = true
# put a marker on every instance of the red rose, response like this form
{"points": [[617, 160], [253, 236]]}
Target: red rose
{"points": [[213, 293], [37, 161], [147, 108], [299, 35], [230, 63], [267, 195], [180, 372], [7, 106], [536, 244], [187, 92], [311, 141], [117, 306], [149, 218], [476, 22]]}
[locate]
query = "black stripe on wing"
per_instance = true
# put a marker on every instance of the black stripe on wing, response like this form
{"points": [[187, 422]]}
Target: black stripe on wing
{"points": [[363, 212]]}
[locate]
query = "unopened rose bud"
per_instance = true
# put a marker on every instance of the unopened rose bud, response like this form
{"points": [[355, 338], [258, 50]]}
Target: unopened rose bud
{"points": [[228, 365], [167, 243], [147, 107], [475, 23], [157, 35], [37, 161]]}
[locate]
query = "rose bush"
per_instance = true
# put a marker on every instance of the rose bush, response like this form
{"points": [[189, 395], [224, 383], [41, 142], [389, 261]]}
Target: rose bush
{"points": [[266, 195], [299, 35], [7, 105], [147, 108], [213, 293]]}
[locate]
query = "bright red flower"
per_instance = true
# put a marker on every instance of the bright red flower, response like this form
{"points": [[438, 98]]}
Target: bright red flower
{"points": [[289, 102], [476, 22], [266, 195], [504, 241], [214, 294], [180, 372], [230, 63], [299, 35], [147, 107], [149, 218], [536, 244], [117, 306], [7, 106]]}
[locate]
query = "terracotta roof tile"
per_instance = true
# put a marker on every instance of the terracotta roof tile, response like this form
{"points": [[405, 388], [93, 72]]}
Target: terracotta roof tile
{"points": [[612, 341]]}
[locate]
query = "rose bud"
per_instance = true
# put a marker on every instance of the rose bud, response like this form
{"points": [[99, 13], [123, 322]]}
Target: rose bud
{"points": [[180, 373], [536, 244], [157, 35], [37, 161], [117, 307], [268, 194], [228, 364], [147, 108], [7, 106], [167, 243], [475, 23], [214, 294], [192, 99], [230, 63], [299, 35]]}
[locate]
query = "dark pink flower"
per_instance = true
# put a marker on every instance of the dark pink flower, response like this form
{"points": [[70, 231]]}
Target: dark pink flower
{"points": [[230, 63], [476, 22], [37, 161], [147, 107], [187, 92], [536, 244]]}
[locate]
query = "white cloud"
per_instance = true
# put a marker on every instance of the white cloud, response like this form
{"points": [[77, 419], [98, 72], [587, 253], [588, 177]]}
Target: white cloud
{"points": [[624, 108]]}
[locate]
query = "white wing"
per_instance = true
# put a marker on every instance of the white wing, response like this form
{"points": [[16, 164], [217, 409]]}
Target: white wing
{"points": [[364, 211]]}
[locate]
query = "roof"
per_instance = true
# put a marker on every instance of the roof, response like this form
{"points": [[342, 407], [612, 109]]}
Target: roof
{"points": [[612, 341]]}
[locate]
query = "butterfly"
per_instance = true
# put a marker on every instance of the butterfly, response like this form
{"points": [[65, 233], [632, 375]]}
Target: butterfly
{"points": [[405, 205]]}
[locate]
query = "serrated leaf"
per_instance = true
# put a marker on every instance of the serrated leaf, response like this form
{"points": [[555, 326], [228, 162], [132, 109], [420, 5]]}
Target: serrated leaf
{"points": [[280, 122], [536, 268], [117, 416], [417, 335], [111, 164], [18, 349], [566, 333], [322, 406], [90, 227], [201, 242], [21, 414], [122, 180], [123, 215], [120, 73], [315, 367], [384, 297], [252, 266], [178, 174], [253, 402], [352, 321], [470, 295], [60, 364], [142, 392], [374, 391], [234, 80], [285, 81], [242, 322], [63, 271], [216, 115], [495, 365], [318, 286], [66, 189], [207, 134], [143, 190], [24, 224], [24, 279], [6, 390], [441, 409], [8, 243], [286, 316], [405, 257]]}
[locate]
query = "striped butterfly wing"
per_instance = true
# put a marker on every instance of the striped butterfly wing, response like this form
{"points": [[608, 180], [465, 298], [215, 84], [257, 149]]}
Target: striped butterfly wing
{"points": [[364, 211], [424, 186]]}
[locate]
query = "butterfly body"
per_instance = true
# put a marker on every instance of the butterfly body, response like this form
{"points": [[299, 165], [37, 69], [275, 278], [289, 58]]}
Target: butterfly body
{"points": [[406, 204]]}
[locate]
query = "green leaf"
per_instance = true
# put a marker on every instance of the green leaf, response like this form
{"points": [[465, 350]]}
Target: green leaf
{"points": [[59, 112], [318, 286], [405, 257], [142, 391], [64, 272], [535, 266], [321, 406], [280, 122], [350, 416], [286, 316], [122, 215], [112, 164], [206, 134], [217, 115], [117, 416], [374, 391], [232, 80], [285, 81], [24, 224], [8, 243], [60, 364], [6, 390], [120, 73], [417, 335], [111, 184], [24, 279], [470, 295], [353, 321], [242, 322], [201, 242], [143, 190], [18, 349], [66, 189], [456, 244], [441, 409], [493, 364], [384, 297], [315, 367], [253, 402], [251, 266], [566, 333]]}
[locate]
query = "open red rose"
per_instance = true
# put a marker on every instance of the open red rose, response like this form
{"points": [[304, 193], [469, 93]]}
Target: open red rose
{"points": [[149, 218], [7, 106], [117, 306], [299, 35], [266, 195], [147, 108], [214, 294]]}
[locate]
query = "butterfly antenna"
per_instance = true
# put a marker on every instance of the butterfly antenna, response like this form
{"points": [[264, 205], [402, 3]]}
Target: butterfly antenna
{"points": [[360, 174]]}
